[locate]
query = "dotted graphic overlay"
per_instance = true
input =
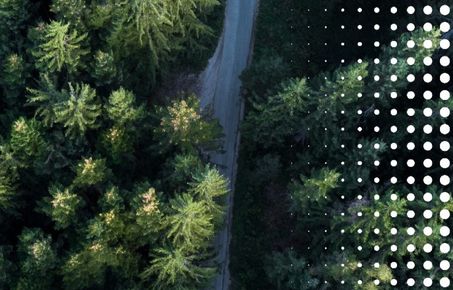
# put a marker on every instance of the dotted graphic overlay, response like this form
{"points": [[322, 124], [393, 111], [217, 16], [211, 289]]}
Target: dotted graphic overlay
{"points": [[377, 198]]}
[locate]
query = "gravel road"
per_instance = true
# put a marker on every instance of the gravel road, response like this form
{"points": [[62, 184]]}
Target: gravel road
{"points": [[220, 88]]}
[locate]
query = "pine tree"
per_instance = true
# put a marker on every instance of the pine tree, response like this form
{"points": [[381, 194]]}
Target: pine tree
{"points": [[62, 206], [60, 48], [209, 186], [13, 78], [13, 16], [182, 124], [104, 69], [91, 172], [175, 269], [121, 108], [190, 226], [79, 112], [38, 260], [27, 141]]}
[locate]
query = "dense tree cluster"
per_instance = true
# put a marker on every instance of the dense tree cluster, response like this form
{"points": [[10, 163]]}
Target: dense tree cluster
{"points": [[98, 190], [344, 177]]}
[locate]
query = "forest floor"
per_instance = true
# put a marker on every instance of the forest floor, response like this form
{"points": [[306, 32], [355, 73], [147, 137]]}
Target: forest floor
{"points": [[220, 87]]}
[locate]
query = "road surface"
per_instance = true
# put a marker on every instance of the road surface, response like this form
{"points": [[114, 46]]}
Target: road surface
{"points": [[220, 88]]}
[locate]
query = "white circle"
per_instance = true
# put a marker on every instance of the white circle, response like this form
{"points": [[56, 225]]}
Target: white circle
{"points": [[428, 61], [444, 282], [444, 197], [445, 95], [411, 27], [410, 129], [411, 43], [444, 112], [410, 282], [410, 231], [428, 43], [410, 163], [410, 95], [410, 248], [427, 231], [427, 78], [428, 282], [427, 163], [427, 180], [445, 44], [444, 146], [444, 265], [393, 265], [427, 146], [427, 248], [427, 197], [444, 231], [410, 10], [444, 163], [444, 180], [410, 78], [410, 214], [427, 27], [444, 248], [445, 60], [428, 10], [427, 214], [444, 10], [427, 129], [445, 27], [428, 265], [445, 78], [410, 61], [444, 214], [410, 146], [428, 95], [427, 112], [410, 265], [410, 197], [444, 129]]}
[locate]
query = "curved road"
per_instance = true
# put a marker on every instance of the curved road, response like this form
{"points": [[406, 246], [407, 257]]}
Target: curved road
{"points": [[220, 88]]}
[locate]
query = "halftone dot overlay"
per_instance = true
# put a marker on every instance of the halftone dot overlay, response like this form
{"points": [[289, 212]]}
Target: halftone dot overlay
{"points": [[401, 223]]}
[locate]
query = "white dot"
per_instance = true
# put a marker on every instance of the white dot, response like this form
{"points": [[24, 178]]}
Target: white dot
{"points": [[444, 197], [427, 214], [445, 61], [444, 129], [411, 27], [444, 265], [444, 10], [427, 163], [428, 146], [444, 146], [393, 10], [427, 248], [445, 44], [445, 27], [444, 282], [410, 10], [444, 180], [445, 95], [428, 265], [444, 163], [428, 282], [410, 197], [428, 95], [444, 112], [410, 61], [427, 129], [410, 282], [410, 163], [444, 214], [444, 248], [428, 61], [444, 231], [445, 78], [428, 10], [427, 180]]}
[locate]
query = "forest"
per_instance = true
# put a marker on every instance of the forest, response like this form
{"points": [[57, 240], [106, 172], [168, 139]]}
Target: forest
{"points": [[104, 185], [344, 170]]}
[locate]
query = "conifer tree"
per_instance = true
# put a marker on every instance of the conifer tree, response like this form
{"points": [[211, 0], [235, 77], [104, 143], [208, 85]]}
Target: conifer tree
{"points": [[175, 269], [38, 260], [27, 141], [61, 48], [190, 225], [79, 111]]}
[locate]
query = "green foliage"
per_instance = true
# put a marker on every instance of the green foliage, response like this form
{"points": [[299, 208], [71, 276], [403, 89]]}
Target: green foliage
{"points": [[290, 272], [79, 111], [87, 191], [104, 69], [13, 78], [121, 108], [182, 124], [38, 260], [27, 141], [91, 172], [175, 269], [60, 48], [62, 207], [190, 225]]}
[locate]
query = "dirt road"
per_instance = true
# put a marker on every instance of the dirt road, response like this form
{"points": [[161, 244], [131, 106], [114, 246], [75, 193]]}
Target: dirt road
{"points": [[220, 87]]}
